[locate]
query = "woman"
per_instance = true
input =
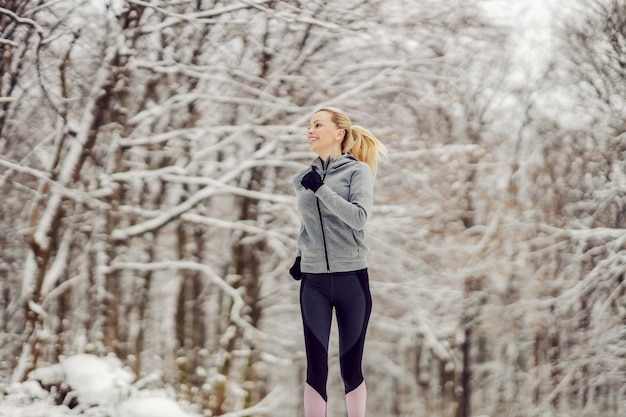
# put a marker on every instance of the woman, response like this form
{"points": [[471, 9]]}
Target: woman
{"points": [[335, 197]]}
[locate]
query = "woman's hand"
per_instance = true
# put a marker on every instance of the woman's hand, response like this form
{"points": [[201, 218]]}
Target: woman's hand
{"points": [[312, 180], [295, 271]]}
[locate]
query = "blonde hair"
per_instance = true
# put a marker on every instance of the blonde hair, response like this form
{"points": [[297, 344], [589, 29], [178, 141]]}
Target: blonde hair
{"points": [[357, 141]]}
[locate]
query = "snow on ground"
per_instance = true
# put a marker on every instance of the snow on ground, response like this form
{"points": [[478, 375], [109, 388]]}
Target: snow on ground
{"points": [[101, 386], [96, 381], [150, 407]]}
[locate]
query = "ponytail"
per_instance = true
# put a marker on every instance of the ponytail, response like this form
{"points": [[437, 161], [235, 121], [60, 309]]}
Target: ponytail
{"points": [[365, 147], [358, 142]]}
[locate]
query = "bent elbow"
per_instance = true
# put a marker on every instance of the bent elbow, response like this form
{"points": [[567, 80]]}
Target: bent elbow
{"points": [[359, 222]]}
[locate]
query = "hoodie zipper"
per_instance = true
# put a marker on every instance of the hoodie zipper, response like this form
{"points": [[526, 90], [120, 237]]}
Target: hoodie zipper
{"points": [[319, 211]]}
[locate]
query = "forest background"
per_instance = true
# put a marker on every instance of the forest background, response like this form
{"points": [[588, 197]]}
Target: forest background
{"points": [[147, 212]]}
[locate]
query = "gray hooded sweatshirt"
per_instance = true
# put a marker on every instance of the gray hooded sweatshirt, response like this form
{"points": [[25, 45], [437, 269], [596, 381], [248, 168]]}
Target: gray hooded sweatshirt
{"points": [[332, 235]]}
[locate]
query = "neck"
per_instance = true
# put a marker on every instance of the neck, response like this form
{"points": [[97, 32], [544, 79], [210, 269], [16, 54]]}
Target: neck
{"points": [[324, 157]]}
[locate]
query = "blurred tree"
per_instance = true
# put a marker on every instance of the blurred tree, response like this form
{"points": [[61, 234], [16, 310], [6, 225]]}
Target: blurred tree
{"points": [[148, 211], [565, 217]]}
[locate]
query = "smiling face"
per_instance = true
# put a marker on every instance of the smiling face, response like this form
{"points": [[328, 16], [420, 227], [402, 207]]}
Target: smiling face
{"points": [[323, 136]]}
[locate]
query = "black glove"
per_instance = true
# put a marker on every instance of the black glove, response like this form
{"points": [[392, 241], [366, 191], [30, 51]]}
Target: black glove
{"points": [[294, 271], [312, 180]]}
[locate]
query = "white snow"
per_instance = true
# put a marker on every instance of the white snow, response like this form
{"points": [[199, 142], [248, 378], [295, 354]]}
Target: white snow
{"points": [[101, 385], [95, 380], [150, 407]]}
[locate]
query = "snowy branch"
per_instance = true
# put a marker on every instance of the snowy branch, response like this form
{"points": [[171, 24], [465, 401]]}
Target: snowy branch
{"points": [[606, 233], [229, 189], [244, 227], [215, 187], [165, 217], [10, 43], [55, 273], [202, 17], [77, 148], [22, 20], [71, 193], [238, 302]]}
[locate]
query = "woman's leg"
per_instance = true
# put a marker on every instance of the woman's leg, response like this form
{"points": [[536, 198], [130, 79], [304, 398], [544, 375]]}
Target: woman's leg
{"points": [[314, 404], [316, 307], [354, 306], [355, 401]]}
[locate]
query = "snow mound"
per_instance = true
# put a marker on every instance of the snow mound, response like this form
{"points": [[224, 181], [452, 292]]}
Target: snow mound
{"points": [[150, 407], [85, 385], [24, 393], [96, 380]]}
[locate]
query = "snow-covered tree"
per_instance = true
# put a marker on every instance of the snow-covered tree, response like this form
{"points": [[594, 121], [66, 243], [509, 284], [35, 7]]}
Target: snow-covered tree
{"points": [[148, 212]]}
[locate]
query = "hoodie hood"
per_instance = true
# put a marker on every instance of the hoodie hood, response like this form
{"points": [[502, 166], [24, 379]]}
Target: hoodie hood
{"points": [[334, 163]]}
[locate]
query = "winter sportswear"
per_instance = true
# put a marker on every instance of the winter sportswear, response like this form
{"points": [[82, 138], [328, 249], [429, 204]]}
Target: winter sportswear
{"points": [[348, 294], [332, 235], [295, 271], [312, 180]]}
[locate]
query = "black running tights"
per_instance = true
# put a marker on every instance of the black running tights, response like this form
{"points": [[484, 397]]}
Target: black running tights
{"points": [[349, 294]]}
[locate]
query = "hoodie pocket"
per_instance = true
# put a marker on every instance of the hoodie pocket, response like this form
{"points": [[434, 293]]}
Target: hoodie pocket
{"points": [[342, 243]]}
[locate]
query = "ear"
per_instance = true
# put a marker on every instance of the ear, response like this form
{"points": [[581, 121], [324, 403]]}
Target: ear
{"points": [[341, 133]]}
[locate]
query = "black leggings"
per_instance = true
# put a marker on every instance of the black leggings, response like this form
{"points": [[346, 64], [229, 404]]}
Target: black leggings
{"points": [[349, 294]]}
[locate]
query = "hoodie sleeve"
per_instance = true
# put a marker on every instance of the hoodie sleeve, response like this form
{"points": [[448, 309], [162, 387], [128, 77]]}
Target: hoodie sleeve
{"points": [[298, 250], [356, 208]]}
